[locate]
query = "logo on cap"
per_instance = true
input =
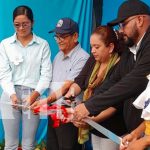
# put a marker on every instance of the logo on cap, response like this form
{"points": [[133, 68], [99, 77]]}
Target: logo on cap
{"points": [[60, 23], [66, 26]]}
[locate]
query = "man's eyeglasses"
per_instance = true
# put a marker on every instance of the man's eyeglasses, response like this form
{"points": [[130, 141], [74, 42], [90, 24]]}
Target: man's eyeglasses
{"points": [[123, 24], [61, 37], [24, 25]]}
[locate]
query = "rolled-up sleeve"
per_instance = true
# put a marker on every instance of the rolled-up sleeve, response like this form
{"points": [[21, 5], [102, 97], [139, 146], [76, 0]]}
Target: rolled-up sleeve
{"points": [[45, 70], [5, 72]]}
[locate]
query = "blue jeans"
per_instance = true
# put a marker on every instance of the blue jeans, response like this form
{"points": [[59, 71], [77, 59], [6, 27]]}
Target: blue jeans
{"points": [[12, 118]]}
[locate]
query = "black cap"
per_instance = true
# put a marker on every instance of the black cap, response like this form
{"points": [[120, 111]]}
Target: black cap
{"points": [[130, 8], [66, 26]]}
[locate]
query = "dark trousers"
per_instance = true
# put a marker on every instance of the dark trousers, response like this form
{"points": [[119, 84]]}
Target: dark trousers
{"points": [[65, 137]]}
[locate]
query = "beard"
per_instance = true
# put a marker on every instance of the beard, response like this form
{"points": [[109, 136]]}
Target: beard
{"points": [[128, 41], [132, 39]]}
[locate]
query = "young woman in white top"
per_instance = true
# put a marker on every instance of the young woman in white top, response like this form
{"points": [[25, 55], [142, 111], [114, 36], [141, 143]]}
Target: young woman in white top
{"points": [[25, 72]]}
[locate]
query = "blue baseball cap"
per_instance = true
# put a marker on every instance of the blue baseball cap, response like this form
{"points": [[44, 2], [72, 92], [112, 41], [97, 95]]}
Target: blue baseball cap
{"points": [[65, 26]]}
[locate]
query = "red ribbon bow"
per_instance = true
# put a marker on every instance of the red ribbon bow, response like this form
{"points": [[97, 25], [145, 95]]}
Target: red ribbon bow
{"points": [[59, 117]]}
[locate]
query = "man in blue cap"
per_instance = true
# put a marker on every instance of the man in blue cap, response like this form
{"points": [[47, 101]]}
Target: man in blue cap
{"points": [[67, 65], [129, 78]]}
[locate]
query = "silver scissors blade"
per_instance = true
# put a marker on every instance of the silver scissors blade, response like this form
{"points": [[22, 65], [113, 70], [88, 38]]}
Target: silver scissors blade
{"points": [[17, 105], [50, 112]]}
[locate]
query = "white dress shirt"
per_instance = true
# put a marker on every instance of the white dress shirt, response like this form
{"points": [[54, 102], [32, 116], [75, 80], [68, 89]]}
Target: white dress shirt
{"points": [[28, 65], [134, 49]]}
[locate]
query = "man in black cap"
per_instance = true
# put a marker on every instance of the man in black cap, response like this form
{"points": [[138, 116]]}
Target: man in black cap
{"points": [[129, 77], [67, 65]]}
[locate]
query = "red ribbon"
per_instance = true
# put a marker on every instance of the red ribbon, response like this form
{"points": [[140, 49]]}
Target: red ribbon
{"points": [[60, 117]]}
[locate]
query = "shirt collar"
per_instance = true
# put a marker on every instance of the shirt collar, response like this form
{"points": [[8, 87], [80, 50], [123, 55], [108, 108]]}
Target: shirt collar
{"points": [[13, 38], [76, 48], [34, 39], [134, 49]]}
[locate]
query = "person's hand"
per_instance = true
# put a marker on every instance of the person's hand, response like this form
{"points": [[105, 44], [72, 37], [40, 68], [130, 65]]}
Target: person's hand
{"points": [[80, 112], [80, 124], [94, 118], [70, 116], [123, 147], [126, 140], [38, 104], [31, 98], [28, 101], [14, 100], [70, 93], [139, 144]]}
